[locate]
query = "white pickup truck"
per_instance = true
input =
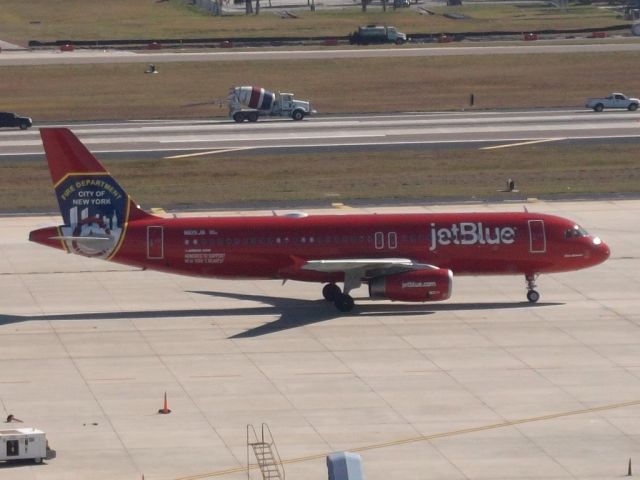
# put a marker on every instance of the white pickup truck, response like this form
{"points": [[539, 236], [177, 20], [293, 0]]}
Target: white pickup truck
{"points": [[615, 100]]}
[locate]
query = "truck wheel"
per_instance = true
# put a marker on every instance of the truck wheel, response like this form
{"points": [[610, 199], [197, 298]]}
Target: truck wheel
{"points": [[297, 115], [252, 117], [633, 107], [599, 107], [238, 117], [399, 41], [24, 125]]}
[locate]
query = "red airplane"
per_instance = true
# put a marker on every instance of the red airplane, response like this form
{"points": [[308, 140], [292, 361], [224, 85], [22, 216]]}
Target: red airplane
{"points": [[405, 257]]}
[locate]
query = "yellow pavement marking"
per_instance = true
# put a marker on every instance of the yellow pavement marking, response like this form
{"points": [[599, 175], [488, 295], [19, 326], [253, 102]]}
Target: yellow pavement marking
{"points": [[209, 152], [542, 140], [340, 205], [423, 438]]}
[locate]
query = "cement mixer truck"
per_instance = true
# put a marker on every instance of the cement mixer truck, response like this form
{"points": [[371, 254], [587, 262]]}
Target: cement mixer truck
{"points": [[250, 103]]}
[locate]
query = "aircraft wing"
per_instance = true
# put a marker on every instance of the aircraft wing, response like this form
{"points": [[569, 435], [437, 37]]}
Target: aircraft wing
{"points": [[366, 267]]}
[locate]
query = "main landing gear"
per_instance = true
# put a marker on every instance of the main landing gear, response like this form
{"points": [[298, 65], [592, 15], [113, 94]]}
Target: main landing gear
{"points": [[343, 301], [532, 294]]}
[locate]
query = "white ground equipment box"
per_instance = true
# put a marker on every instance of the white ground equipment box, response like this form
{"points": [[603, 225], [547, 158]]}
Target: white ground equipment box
{"points": [[23, 444]]}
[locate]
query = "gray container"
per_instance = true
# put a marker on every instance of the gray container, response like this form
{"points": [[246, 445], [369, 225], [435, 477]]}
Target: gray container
{"points": [[345, 466]]}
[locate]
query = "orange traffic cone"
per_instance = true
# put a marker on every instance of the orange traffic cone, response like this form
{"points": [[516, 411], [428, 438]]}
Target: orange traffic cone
{"points": [[165, 409]]}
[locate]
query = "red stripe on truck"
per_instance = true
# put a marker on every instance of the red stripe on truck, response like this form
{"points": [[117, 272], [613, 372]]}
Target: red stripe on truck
{"points": [[254, 101]]}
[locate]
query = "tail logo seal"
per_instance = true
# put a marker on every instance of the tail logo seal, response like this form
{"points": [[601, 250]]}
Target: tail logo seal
{"points": [[95, 213]]}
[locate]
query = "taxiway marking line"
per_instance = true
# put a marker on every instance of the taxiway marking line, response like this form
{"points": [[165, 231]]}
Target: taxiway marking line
{"points": [[118, 379], [210, 152], [543, 140], [423, 438]]}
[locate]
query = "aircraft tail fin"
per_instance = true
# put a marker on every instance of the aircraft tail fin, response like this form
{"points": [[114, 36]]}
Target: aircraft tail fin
{"points": [[81, 182], [95, 208]]}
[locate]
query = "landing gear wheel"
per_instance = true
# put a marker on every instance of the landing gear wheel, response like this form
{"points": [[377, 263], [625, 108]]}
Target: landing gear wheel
{"points": [[532, 294], [344, 302], [331, 291]]}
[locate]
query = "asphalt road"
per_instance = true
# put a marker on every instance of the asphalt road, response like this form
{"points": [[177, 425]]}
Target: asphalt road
{"points": [[168, 138], [117, 56]]}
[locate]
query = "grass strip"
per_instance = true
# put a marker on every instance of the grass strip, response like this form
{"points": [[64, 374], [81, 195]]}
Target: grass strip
{"points": [[249, 179], [186, 90], [146, 19]]}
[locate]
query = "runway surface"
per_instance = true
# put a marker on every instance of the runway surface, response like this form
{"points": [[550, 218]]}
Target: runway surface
{"points": [[484, 386], [54, 57], [168, 138]]}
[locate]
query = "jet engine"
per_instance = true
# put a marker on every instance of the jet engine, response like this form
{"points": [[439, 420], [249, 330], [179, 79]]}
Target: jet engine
{"points": [[416, 286]]}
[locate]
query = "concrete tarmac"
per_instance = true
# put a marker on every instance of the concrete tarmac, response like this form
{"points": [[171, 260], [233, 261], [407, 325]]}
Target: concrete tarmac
{"points": [[483, 386]]}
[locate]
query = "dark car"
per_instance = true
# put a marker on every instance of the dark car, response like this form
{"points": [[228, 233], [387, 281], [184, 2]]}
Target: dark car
{"points": [[8, 119]]}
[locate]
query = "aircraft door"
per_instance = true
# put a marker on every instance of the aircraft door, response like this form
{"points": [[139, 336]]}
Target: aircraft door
{"points": [[155, 242], [537, 237]]}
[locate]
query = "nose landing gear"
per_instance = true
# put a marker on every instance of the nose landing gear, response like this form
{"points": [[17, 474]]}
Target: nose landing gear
{"points": [[532, 294]]}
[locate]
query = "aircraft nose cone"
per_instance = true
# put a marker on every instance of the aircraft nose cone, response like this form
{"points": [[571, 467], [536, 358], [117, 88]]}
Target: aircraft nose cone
{"points": [[602, 250]]}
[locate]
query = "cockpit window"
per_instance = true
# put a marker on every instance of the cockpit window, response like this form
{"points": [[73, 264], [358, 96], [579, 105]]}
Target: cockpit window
{"points": [[575, 232]]}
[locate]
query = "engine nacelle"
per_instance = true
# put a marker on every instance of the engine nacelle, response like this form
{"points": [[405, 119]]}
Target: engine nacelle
{"points": [[418, 286]]}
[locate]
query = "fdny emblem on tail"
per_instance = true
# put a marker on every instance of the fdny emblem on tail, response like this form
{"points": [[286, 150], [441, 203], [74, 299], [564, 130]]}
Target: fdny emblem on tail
{"points": [[94, 210]]}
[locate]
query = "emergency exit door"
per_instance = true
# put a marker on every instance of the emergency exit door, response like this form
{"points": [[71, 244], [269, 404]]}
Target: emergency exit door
{"points": [[155, 242], [537, 238]]}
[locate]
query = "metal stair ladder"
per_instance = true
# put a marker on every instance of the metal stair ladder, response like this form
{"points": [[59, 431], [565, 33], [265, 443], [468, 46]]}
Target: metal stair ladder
{"points": [[266, 453]]}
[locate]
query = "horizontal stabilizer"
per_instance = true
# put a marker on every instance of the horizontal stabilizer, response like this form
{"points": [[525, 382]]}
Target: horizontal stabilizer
{"points": [[81, 239]]}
